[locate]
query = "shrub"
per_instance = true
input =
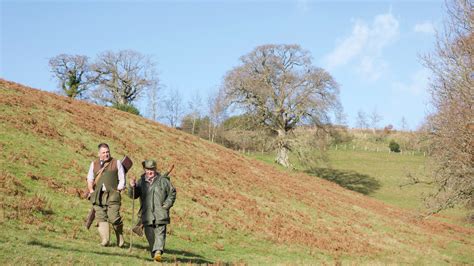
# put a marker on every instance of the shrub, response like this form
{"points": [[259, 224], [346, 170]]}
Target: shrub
{"points": [[340, 135], [126, 108], [394, 147]]}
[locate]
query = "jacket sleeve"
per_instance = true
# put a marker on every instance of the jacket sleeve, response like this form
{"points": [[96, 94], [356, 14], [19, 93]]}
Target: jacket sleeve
{"points": [[170, 199]]}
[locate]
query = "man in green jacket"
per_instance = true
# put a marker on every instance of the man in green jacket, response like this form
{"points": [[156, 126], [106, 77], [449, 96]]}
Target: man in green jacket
{"points": [[157, 196]]}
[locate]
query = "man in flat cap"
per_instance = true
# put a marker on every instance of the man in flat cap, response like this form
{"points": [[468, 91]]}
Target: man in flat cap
{"points": [[157, 196]]}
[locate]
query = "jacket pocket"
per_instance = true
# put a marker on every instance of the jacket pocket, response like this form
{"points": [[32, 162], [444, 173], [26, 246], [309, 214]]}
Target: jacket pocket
{"points": [[162, 215]]}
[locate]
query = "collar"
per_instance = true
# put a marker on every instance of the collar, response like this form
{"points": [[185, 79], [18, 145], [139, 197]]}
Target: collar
{"points": [[102, 162], [150, 180]]}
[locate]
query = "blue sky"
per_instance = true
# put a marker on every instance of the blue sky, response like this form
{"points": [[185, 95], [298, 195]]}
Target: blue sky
{"points": [[371, 48]]}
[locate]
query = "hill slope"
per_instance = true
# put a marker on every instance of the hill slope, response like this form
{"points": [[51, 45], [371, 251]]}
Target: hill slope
{"points": [[229, 208]]}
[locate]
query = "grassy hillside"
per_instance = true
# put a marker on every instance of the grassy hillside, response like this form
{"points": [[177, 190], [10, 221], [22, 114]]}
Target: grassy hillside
{"points": [[392, 171], [381, 175], [229, 208]]}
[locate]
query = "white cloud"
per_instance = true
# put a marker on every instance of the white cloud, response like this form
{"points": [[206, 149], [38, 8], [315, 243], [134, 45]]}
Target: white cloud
{"points": [[417, 84], [364, 46], [371, 68], [425, 27], [350, 47]]}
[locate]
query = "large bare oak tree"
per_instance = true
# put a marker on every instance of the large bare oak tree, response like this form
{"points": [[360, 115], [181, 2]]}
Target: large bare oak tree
{"points": [[279, 85], [122, 76]]}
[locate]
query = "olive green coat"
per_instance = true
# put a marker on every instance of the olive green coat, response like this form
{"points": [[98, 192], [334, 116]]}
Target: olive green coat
{"points": [[156, 199]]}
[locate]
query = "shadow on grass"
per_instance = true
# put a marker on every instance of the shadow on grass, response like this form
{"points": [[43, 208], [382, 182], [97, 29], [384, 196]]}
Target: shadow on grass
{"points": [[361, 183], [47, 245], [184, 256], [178, 255]]}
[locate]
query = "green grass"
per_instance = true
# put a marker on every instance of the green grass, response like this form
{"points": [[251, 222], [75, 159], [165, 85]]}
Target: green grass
{"points": [[390, 170], [229, 209], [60, 237]]}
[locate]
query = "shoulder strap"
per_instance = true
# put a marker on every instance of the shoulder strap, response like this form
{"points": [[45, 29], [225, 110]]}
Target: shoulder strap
{"points": [[99, 174]]}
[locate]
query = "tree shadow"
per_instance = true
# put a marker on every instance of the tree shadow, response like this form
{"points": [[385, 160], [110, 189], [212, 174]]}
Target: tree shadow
{"points": [[177, 256], [361, 183]]}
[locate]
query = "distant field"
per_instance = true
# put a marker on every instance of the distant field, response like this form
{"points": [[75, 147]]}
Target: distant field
{"points": [[389, 170]]}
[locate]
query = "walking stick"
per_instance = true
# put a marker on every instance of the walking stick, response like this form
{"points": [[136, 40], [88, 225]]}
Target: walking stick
{"points": [[133, 214]]}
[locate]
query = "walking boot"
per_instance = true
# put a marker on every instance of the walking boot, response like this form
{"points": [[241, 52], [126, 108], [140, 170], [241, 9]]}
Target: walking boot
{"points": [[104, 233], [157, 256], [119, 234]]}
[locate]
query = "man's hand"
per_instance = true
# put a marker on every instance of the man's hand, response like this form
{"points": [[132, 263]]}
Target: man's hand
{"points": [[89, 194], [90, 187], [133, 182]]}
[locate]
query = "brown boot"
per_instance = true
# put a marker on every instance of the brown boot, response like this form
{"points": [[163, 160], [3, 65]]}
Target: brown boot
{"points": [[157, 256], [104, 233], [119, 234]]}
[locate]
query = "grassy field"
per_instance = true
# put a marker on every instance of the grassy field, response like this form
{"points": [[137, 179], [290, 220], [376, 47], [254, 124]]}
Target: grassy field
{"points": [[381, 175], [229, 208]]}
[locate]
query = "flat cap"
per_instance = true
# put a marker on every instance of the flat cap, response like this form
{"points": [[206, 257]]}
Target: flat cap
{"points": [[149, 164]]}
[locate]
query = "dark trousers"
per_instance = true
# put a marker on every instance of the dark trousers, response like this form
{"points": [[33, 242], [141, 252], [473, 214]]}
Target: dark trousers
{"points": [[156, 236]]}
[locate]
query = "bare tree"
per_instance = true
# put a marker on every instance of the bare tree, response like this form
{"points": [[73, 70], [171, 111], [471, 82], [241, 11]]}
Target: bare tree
{"points": [[195, 105], [375, 118], [153, 97], [451, 125], [278, 84], [341, 116], [122, 76], [72, 72], [173, 107], [361, 120], [403, 124], [217, 114]]}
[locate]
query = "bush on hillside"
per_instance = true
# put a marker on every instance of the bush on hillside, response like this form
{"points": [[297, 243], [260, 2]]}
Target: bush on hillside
{"points": [[394, 147], [250, 140], [388, 129], [340, 135], [242, 122], [198, 126], [381, 135], [310, 147], [129, 108]]}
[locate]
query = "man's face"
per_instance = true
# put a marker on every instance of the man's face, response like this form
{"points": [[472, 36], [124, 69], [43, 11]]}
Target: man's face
{"points": [[104, 154], [150, 173]]}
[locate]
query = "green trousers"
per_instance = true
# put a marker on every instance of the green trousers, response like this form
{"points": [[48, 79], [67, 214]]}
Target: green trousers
{"points": [[108, 212], [156, 236]]}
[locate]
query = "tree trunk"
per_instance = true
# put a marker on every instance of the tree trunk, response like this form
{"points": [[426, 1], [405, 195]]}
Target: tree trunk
{"points": [[122, 100], [211, 139], [194, 126], [282, 146]]}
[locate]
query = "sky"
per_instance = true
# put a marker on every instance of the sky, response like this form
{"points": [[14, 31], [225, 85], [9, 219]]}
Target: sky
{"points": [[371, 48]]}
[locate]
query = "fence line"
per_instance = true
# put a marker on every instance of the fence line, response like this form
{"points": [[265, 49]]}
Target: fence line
{"points": [[346, 147], [350, 148]]}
